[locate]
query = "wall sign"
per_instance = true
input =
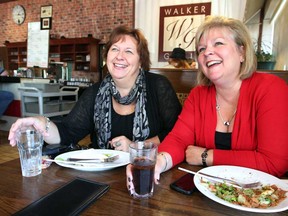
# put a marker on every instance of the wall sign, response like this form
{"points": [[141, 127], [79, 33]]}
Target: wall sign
{"points": [[177, 27], [37, 46]]}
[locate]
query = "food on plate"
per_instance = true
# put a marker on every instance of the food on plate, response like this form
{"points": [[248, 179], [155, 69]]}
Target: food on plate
{"points": [[260, 197]]}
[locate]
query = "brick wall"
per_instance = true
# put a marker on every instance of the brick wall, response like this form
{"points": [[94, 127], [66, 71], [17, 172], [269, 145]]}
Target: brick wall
{"points": [[71, 18]]}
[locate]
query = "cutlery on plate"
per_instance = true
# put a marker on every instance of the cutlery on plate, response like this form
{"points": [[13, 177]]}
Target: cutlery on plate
{"points": [[82, 162], [66, 162], [223, 180], [93, 160]]}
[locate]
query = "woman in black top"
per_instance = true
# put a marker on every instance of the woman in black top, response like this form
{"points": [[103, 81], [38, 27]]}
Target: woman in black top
{"points": [[129, 104]]}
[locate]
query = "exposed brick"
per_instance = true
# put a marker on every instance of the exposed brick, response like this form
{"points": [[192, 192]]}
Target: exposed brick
{"points": [[70, 18]]}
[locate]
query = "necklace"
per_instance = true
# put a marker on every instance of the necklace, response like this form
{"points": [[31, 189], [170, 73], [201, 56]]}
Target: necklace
{"points": [[228, 122]]}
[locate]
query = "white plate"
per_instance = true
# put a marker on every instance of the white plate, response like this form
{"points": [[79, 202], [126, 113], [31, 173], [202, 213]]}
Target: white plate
{"points": [[123, 159], [244, 175]]}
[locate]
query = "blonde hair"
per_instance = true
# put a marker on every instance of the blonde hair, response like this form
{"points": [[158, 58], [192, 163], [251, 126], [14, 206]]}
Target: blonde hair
{"points": [[241, 37]]}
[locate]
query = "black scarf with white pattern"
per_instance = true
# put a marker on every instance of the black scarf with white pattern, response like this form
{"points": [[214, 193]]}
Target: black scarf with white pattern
{"points": [[103, 106]]}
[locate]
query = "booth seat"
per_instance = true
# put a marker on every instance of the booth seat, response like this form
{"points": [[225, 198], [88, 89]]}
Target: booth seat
{"points": [[183, 80]]}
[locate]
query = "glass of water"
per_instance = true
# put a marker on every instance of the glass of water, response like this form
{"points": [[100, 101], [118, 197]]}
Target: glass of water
{"points": [[29, 144]]}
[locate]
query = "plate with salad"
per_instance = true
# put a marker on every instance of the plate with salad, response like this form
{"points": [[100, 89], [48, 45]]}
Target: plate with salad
{"points": [[270, 196], [97, 157]]}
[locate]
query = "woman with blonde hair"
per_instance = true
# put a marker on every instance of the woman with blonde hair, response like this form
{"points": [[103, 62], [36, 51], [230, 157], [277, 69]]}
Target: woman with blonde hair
{"points": [[235, 116]]}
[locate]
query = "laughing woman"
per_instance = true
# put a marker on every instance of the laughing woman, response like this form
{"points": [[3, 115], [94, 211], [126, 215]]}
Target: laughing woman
{"points": [[235, 116], [129, 104]]}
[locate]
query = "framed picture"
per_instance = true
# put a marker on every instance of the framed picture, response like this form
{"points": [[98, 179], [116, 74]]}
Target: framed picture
{"points": [[46, 23], [179, 28], [46, 11]]}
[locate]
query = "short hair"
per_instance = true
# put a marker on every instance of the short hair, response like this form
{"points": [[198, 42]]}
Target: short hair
{"points": [[142, 45], [241, 37]]}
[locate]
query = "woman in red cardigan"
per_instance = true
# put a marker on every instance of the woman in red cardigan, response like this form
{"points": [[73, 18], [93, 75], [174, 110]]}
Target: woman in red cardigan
{"points": [[235, 116]]}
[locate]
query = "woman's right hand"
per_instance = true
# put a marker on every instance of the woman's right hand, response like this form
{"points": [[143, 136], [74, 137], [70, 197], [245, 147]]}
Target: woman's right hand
{"points": [[39, 123]]}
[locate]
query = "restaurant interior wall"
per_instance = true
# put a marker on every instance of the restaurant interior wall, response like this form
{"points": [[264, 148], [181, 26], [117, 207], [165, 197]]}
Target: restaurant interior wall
{"points": [[95, 18], [230, 8], [99, 17], [70, 19], [272, 32]]}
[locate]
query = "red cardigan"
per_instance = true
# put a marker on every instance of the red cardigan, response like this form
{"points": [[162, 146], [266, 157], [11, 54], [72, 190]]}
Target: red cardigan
{"points": [[260, 131]]}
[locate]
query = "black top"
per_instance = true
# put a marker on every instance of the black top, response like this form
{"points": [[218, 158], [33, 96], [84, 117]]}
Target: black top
{"points": [[163, 108], [120, 120], [223, 140]]}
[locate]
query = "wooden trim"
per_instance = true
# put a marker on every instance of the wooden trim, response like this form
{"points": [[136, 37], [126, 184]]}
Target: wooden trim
{"points": [[183, 80]]}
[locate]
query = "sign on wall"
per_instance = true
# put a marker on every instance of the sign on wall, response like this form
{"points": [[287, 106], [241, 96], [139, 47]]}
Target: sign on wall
{"points": [[177, 28], [38, 46]]}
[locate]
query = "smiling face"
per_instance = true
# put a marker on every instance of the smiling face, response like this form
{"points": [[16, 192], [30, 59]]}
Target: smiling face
{"points": [[219, 56], [123, 60]]}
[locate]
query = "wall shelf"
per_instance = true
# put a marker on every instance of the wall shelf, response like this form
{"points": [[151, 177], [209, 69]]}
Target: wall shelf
{"points": [[83, 52], [17, 55]]}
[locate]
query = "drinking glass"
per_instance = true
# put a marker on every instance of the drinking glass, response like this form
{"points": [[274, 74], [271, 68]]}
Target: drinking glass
{"points": [[143, 156], [29, 144]]}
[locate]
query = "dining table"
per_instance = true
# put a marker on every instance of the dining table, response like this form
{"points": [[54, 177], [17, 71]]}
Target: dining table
{"points": [[17, 192]]}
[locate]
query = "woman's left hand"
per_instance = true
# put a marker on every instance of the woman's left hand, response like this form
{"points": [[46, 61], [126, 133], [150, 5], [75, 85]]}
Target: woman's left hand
{"points": [[193, 155], [120, 143]]}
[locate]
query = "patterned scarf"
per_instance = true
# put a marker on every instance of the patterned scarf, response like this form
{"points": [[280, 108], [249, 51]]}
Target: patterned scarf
{"points": [[103, 106]]}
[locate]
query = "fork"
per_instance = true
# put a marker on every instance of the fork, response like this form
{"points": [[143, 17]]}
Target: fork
{"points": [[92, 160], [65, 162], [82, 161], [224, 180]]}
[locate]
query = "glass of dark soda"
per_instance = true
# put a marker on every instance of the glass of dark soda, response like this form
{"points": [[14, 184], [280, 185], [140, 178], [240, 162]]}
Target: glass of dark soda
{"points": [[143, 156]]}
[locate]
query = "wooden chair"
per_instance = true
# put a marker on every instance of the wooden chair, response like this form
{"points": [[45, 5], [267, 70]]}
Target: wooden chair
{"points": [[182, 80]]}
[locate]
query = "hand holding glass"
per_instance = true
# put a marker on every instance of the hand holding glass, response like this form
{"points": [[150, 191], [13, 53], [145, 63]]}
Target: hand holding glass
{"points": [[29, 143], [143, 159]]}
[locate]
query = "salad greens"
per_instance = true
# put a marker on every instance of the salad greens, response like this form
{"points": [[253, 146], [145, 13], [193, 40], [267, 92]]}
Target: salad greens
{"points": [[108, 155], [261, 197]]}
